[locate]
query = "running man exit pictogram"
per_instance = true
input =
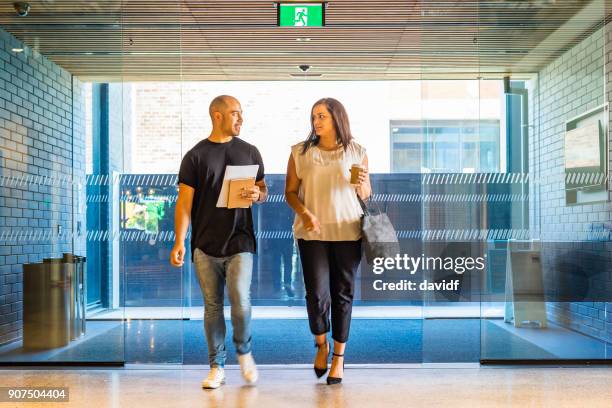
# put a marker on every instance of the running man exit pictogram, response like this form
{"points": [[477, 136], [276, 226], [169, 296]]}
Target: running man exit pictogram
{"points": [[301, 17]]}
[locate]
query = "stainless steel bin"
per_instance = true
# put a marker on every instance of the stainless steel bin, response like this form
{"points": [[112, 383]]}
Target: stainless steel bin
{"points": [[46, 304], [82, 291], [76, 268]]}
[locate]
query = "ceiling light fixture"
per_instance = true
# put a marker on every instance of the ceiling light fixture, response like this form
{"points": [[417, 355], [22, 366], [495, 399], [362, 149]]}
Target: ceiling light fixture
{"points": [[17, 49], [305, 75], [302, 39]]}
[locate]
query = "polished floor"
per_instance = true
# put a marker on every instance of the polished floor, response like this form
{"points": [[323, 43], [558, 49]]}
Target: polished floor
{"points": [[373, 341], [142, 386]]}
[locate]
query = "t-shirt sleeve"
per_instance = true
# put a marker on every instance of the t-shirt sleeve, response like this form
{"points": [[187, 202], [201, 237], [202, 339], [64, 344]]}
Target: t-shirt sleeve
{"points": [[188, 172], [259, 160]]}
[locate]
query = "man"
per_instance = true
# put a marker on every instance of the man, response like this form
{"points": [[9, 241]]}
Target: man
{"points": [[222, 239]]}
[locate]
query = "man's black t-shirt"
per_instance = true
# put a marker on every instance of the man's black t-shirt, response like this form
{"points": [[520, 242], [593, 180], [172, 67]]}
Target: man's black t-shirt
{"points": [[218, 232]]}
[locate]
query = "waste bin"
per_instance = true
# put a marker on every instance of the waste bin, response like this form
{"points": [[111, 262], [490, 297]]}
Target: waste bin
{"points": [[82, 268], [46, 304], [76, 270]]}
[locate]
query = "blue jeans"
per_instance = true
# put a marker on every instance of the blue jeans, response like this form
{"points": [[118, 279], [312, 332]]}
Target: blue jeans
{"points": [[213, 273]]}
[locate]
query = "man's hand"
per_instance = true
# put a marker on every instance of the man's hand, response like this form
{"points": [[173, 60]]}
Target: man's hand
{"points": [[177, 255], [251, 194]]}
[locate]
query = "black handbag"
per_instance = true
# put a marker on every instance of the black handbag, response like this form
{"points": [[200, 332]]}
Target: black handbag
{"points": [[378, 237]]}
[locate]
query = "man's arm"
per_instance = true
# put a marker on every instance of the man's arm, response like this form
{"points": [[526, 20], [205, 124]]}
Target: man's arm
{"points": [[259, 192], [182, 217]]}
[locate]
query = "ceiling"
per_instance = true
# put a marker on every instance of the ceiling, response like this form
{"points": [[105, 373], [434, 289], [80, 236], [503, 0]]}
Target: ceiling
{"points": [[133, 40]]}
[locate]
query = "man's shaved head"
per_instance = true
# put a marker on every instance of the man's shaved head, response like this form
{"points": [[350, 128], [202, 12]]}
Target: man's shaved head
{"points": [[226, 115], [220, 103]]}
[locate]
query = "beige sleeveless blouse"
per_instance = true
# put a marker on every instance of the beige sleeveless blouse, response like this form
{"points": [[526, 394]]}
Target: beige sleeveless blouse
{"points": [[326, 191]]}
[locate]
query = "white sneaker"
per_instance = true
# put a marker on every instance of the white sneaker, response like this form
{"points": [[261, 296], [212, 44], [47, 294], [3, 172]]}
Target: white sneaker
{"points": [[216, 377], [248, 368]]}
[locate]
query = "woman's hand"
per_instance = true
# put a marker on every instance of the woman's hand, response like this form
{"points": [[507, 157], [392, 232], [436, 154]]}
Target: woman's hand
{"points": [[363, 177], [363, 188], [310, 222]]}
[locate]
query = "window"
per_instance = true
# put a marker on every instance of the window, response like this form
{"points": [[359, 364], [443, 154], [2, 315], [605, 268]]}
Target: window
{"points": [[444, 146]]}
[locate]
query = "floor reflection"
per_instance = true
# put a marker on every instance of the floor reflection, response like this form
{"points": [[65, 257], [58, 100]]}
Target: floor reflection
{"points": [[288, 341]]}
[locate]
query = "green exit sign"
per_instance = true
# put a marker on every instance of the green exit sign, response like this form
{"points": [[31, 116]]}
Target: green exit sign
{"points": [[301, 14]]}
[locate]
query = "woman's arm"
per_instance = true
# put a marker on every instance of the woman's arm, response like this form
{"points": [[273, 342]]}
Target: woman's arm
{"points": [[364, 188], [292, 188]]}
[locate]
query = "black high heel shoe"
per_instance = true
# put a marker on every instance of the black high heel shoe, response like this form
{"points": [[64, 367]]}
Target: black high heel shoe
{"points": [[336, 380], [320, 372]]}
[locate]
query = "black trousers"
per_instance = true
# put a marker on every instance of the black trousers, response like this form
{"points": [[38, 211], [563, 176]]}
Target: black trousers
{"points": [[329, 269]]}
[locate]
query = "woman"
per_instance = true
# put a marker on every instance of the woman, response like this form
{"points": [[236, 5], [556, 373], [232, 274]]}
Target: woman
{"points": [[327, 226]]}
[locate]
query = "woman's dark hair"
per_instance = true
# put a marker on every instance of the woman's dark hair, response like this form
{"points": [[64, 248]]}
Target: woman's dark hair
{"points": [[341, 124]]}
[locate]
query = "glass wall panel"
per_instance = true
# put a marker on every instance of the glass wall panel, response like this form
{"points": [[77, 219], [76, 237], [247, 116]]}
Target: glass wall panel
{"points": [[452, 196], [456, 194], [552, 281], [152, 291], [56, 231]]}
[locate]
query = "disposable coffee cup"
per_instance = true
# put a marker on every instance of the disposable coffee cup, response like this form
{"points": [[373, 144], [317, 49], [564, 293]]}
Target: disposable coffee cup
{"points": [[356, 169]]}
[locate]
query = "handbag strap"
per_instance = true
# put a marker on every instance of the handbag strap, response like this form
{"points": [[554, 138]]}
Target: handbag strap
{"points": [[364, 207]]}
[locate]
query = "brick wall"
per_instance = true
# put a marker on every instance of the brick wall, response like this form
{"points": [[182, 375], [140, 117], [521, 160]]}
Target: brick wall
{"points": [[41, 150], [568, 87], [158, 137]]}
